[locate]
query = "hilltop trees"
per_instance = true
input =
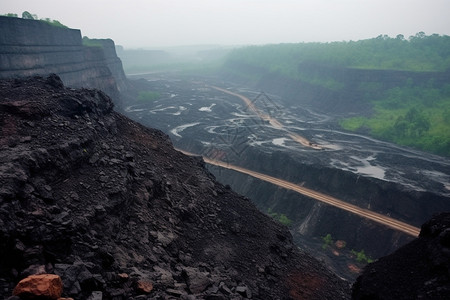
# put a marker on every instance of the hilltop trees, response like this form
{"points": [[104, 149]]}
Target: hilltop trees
{"points": [[417, 53], [29, 16], [11, 15]]}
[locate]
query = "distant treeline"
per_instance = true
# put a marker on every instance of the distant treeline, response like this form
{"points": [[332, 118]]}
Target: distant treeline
{"points": [[410, 112], [29, 16], [417, 53]]}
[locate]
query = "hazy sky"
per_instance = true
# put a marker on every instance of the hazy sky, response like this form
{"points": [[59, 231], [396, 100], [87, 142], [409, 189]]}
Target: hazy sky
{"points": [[156, 23]]}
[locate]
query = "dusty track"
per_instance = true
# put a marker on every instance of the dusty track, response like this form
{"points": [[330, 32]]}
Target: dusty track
{"points": [[365, 213], [274, 122]]}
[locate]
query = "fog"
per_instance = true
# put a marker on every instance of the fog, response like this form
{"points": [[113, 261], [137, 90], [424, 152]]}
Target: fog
{"points": [[162, 23]]}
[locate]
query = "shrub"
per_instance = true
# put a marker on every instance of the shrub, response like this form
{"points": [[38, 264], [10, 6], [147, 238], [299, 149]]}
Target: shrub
{"points": [[361, 257], [327, 241], [282, 218]]}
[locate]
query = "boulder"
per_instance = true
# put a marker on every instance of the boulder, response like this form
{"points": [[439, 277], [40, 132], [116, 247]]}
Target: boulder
{"points": [[197, 281], [144, 286], [47, 286]]}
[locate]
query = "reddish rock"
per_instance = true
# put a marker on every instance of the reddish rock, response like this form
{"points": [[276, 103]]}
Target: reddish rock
{"points": [[45, 285], [144, 286]]}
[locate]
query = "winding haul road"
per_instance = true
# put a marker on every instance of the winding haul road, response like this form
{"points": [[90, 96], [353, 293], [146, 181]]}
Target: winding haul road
{"points": [[365, 213], [274, 122]]}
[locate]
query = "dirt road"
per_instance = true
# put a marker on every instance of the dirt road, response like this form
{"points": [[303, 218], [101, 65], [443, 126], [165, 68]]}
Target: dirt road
{"points": [[274, 122], [379, 218]]}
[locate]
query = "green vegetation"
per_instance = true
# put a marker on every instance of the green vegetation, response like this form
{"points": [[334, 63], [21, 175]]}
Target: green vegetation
{"points": [[411, 115], [11, 15], [55, 23], [327, 241], [418, 53], [414, 113], [148, 96], [28, 16], [361, 257], [91, 42], [282, 218]]}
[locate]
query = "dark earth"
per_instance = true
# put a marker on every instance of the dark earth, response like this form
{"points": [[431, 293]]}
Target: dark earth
{"points": [[400, 182], [419, 270], [108, 204]]}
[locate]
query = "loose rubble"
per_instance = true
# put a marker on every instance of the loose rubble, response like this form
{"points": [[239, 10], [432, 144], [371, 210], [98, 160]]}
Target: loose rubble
{"points": [[418, 270], [110, 207]]}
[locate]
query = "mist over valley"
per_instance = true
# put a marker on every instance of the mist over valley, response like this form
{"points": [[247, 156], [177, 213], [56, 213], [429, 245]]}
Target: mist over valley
{"points": [[258, 160]]}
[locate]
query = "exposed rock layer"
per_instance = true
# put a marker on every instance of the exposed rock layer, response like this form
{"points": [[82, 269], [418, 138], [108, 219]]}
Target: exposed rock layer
{"points": [[419, 270], [346, 101], [112, 208], [30, 47]]}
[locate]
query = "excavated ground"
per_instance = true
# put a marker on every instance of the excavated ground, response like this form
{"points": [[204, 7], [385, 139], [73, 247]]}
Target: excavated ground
{"points": [[106, 203], [418, 270]]}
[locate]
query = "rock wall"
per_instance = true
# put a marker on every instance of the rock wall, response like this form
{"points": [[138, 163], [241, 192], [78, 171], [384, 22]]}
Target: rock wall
{"points": [[344, 101], [419, 270], [30, 47], [313, 219]]}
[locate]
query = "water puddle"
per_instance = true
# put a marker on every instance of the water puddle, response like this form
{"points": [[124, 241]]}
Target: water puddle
{"points": [[368, 169], [207, 108], [279, 141], [361, 166], [176, 131]]}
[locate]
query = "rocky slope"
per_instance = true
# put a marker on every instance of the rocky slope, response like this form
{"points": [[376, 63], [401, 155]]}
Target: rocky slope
{"points": [[419, 270], [110, 206]]}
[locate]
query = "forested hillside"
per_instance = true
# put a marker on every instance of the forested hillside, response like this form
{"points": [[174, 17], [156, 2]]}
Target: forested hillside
{"points": [[406, 82]]}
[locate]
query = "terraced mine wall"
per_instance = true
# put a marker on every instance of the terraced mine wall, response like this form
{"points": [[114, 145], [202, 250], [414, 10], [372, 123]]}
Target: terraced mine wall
{"points": [[31, 47], [347, 100], [315, 219]]}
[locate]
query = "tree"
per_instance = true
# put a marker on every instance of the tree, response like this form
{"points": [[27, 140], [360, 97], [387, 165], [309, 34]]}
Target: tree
{"points": [[327, 241], [283, 219], [11, 15], [28, 16], [418, 122]]}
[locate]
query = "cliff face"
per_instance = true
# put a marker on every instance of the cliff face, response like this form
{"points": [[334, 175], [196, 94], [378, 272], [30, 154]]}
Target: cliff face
{"points": [[419, 270], [346, 100], [110, 206], [29, 47], [308, 216]]}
